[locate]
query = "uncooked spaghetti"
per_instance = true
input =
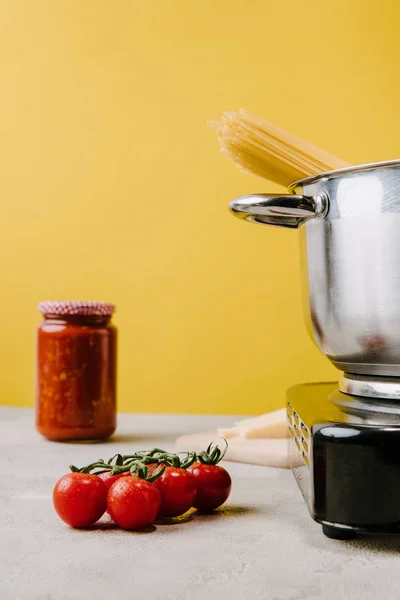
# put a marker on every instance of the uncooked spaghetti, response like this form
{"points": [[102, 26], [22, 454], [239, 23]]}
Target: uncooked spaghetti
{"points": [[262, 149]]}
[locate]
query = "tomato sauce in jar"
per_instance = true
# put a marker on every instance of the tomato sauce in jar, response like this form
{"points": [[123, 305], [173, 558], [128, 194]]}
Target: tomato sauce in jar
{"points": [[76, 371]]}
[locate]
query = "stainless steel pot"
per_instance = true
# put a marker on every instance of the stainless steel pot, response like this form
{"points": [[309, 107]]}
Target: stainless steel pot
{"points": [[349, 223]]}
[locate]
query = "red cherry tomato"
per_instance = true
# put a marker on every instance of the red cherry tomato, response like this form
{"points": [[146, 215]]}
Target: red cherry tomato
{"points": [[133, 503], [178, 490], [213, 484], [80, 499], [109, 479]]}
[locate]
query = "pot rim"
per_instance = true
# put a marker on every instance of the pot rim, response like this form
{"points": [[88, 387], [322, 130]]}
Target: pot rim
{"points": [[339, 172]]}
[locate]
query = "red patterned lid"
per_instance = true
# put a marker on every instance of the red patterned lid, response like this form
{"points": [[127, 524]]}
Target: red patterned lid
{"points": [[70, 307]]}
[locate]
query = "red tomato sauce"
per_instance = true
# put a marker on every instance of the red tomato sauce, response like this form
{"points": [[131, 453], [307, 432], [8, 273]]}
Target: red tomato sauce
{"points": [[76, 377]]}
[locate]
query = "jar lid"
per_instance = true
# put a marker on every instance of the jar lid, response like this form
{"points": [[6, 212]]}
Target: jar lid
{"points": [[70, 307]]}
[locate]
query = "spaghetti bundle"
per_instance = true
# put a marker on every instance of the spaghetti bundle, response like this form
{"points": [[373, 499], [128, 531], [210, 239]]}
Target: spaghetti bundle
{"points": [[262, 149]]}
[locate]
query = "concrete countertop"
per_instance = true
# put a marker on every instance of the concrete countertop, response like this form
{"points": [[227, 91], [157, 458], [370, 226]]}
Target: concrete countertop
{"points": [[262, 545]]}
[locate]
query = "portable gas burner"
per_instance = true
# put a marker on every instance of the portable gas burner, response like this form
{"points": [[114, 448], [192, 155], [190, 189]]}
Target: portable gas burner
{"points": [[345, 455], [345, 444]]}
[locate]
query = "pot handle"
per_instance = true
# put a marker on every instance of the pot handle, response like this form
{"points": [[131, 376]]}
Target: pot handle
{"points": [[282, 210]]}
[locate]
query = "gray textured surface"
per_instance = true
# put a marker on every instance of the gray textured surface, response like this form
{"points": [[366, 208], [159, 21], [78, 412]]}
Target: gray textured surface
{"points": [[263, 545]]}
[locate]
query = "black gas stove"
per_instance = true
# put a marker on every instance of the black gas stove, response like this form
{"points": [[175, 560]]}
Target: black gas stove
{"points": [[345, 455]]}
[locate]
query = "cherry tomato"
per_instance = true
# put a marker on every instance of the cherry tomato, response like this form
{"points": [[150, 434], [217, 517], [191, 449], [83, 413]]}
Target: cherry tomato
{"points": [[80, 499], [133, 503], [109, 479], [178, 490], [213, 484]]}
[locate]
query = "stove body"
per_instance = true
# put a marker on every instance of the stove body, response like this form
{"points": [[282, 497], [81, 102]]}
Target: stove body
{"points": [[345, 455]]}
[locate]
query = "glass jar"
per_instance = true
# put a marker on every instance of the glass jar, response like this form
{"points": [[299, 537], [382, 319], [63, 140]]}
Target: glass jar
{"points": [[76, 371]]}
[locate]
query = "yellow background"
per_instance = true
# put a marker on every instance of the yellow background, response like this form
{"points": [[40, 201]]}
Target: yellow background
{"points": [[112, 185]]}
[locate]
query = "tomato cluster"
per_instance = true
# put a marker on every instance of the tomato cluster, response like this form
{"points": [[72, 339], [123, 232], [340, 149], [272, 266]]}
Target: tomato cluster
{"points": [[137, 489]]}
